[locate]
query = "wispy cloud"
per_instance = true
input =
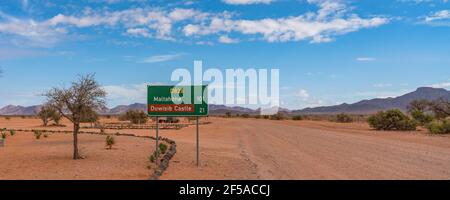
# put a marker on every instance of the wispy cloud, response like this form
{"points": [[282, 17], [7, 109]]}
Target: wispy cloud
{"points": [[246, 2], [438, 18], [441, 85], [322, 26], [365, 59], [382, 85], [331, 19], [227, 40], [161, 58]]}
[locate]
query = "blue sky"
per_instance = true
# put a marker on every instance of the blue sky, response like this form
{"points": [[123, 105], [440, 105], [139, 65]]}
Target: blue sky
{"points": [[328, 52]]}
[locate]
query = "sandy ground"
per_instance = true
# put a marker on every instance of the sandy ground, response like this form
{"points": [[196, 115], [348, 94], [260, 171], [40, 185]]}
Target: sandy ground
{"points": [[238, 149], [24, 157]]}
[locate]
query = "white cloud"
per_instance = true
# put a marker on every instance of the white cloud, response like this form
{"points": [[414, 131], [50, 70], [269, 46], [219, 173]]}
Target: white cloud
{"points": [[441, 85], [302, 93], [438, 18], [365, 59], [160, 58], [227, 40], [246, 2], [126, 94], [330, 20], [382, 85], [439, 15], [138, 32], [323, 26]]}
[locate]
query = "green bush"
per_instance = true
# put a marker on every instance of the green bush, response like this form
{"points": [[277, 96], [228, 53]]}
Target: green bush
{"points": [[162, 148], [37, 134], [228, 114], [344, 118], [278, 116], [134, 116], [12, 132], [439, 127], [297, 117], [3, 134], [421, 117], [110, 141], [392, 120], [151, 158]]}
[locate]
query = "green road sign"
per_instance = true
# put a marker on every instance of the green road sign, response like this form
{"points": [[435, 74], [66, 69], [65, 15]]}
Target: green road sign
{"points": [[164, 100]]}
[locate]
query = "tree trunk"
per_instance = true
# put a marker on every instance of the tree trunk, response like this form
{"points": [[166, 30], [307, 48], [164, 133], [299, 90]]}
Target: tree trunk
{"points": [[76, 127]]}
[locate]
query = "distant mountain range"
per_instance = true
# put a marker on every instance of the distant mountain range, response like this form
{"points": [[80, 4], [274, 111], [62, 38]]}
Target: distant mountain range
{"points": [[373, 105], [361, 107]]}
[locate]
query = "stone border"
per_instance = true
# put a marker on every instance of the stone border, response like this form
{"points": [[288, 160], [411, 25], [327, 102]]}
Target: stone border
{"points": [[164, 161]]}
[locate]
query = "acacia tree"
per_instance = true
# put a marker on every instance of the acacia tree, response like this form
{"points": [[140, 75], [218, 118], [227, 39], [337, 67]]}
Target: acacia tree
{"points": [[56, 117], [89, 116], [46, 114], [441, 108], [418, 105], [71, 102]]}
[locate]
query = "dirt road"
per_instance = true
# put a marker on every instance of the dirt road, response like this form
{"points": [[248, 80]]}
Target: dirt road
{"points": [[266, 149], [234, 149]]}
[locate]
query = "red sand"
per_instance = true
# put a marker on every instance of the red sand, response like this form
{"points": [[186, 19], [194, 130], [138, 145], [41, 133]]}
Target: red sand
{"points": [[235, 149]]}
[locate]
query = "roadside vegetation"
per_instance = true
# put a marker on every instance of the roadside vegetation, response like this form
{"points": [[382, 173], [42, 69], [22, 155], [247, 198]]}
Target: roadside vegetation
{"points": [[134, 116], [433, 115], [344, 118], [110, 141], [74, 103], [392, 120]]}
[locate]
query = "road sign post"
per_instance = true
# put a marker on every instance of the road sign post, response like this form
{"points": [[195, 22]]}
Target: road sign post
{"points": [[157, 140], [177, 101], [198, 150]]}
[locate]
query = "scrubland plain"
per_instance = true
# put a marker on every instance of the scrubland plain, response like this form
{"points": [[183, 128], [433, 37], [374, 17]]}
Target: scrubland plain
{"points": [[231, 148]]}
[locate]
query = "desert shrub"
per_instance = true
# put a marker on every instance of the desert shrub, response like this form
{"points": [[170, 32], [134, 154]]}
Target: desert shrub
{"points": [[7, 118], [421, 117], [171, 120], [134, 116], [257, 116], [102, 129], [344, 118], [110, 141], [297, 117], [162, 148], [3, 133], [266, 116], [391, 120], [45, 135], [12, 132], [228, 114], [151, 158], [278, 116], [245, 115], [56, 117], [37, 134], [439, 127]]}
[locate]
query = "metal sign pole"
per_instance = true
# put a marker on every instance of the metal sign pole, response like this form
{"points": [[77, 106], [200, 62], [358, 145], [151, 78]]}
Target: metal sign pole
{"points": [[157, 138], [198, 158]]}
